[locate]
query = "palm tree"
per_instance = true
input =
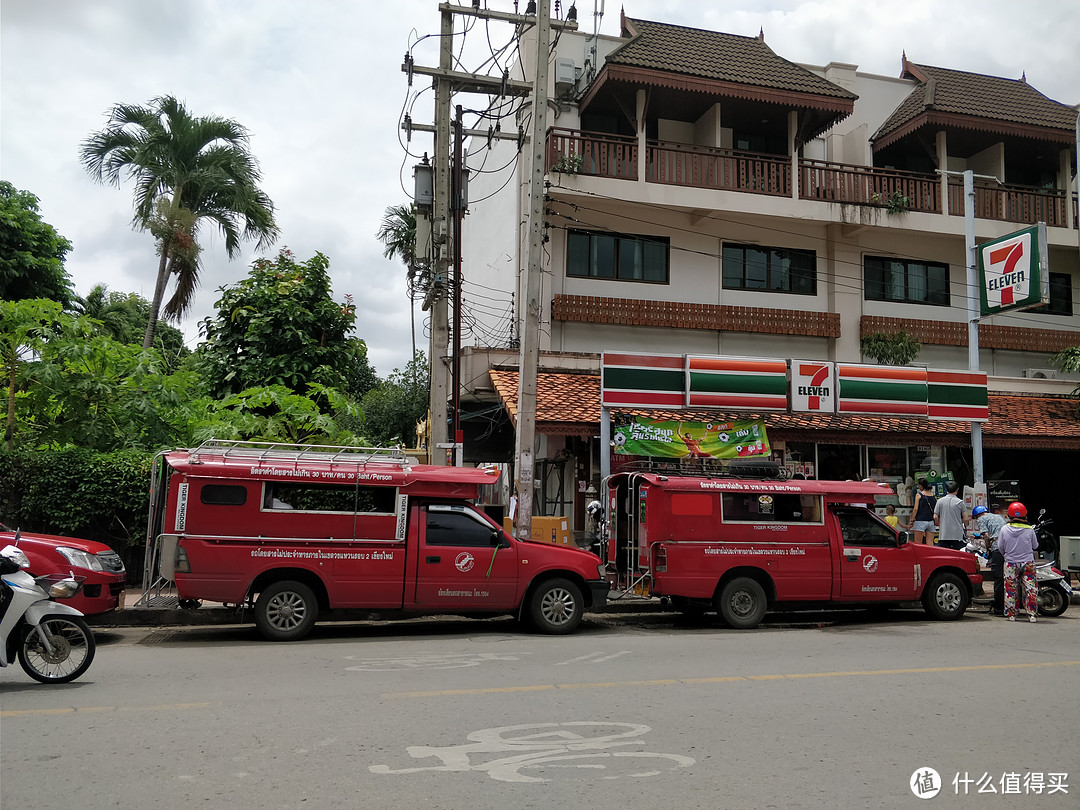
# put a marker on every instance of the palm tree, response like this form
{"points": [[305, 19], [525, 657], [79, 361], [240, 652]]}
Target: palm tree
{"points": [[187, 171], [397, 232]]}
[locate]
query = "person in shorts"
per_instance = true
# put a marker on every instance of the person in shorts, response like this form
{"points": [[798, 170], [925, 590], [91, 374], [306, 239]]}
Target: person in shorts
{"points": [[922, 514]]}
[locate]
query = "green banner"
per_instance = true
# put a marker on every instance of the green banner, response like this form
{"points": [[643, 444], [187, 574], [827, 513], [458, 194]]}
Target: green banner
{"points": [[676, 439]]}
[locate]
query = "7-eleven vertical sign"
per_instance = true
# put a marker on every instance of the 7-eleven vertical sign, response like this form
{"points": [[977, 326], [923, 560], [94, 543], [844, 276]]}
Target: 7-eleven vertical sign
{"points": [[1013, 272], [813, 386]]}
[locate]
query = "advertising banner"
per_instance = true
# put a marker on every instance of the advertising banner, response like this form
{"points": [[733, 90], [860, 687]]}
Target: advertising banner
{"points": [[677, 439], [813, 386]]}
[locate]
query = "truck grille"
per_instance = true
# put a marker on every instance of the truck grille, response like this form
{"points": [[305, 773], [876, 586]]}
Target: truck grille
{"points": [[111, 562]]}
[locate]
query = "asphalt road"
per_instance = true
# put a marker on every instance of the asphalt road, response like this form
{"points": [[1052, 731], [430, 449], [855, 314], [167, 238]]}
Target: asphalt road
{"points": [[817, 710]]}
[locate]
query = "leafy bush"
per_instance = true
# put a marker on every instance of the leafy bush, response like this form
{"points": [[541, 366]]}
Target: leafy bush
{"points": [[77, 493], [896, 349]]}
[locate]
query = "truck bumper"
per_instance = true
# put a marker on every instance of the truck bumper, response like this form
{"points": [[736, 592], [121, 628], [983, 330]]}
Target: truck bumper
{"points": [[599, 592]]}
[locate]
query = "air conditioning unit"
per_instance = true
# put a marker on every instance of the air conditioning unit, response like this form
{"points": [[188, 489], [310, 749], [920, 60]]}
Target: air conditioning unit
{"points": [[1039, 373]]}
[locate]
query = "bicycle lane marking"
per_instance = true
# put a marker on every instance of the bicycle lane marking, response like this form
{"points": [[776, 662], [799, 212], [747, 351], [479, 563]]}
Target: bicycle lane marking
{"points": [[725, 679]]}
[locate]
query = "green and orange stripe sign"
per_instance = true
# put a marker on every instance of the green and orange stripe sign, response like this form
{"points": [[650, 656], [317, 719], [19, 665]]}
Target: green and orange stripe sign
{"points": [[736, 382], [957, 395], [890, 390], [643, 380]]}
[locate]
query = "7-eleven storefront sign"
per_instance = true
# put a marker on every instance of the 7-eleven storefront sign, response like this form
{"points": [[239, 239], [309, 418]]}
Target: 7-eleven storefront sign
{"points": [[675, 382], [1013, 271]]}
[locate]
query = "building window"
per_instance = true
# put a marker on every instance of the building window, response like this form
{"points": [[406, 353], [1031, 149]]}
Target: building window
{"points": [[613, 256], [1060, 296], [770, 269], [905, 282]]}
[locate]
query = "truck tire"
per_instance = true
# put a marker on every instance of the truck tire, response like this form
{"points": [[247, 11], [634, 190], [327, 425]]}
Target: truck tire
{"points": [[286, 611], [556, 607], [945, 597], [742, 603]]}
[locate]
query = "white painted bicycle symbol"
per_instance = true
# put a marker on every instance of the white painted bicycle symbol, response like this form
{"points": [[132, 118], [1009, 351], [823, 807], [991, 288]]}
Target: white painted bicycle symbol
{"points": [[550, 749]]}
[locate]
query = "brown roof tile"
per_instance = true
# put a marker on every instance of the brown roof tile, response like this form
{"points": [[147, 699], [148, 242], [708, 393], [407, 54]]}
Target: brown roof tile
{"points": [[570, 404], [718, 56], [976, 96]]}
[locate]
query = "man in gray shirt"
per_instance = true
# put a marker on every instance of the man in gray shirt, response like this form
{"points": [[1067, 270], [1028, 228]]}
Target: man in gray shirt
{"points": [[949, 517]]}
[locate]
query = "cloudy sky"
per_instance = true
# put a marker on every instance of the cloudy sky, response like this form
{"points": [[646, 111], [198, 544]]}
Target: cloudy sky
{"points": [[319, 85]]}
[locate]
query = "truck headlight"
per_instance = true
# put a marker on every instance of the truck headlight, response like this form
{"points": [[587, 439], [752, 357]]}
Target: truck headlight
{"points": [[81, 559]]}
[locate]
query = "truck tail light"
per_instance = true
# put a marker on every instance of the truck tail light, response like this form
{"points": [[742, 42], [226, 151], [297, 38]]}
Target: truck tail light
{"points": [[660, 559], [183, 566]]}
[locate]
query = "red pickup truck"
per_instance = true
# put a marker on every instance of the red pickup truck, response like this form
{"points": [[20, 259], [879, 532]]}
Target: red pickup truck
{"points": [[745, 546], [295, 530]]}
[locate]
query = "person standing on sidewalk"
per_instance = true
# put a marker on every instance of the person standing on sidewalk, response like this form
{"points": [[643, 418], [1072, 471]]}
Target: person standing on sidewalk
{"points": [[1017, 543], [949, 517], [922, 514]]}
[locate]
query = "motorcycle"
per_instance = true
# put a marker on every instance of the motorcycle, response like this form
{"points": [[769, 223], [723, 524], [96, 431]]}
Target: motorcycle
{"points": [[52, 641], [1054, 590], [598, 546]]}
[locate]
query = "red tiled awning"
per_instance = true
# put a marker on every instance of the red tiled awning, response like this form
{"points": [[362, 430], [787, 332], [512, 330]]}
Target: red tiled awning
{"points": [[569, 405]]}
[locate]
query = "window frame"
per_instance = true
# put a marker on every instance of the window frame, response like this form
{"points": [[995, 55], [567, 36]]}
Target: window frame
{"points": [[493, 537], [908, 264], [1048, 309], [621, 245], [769, 286]]}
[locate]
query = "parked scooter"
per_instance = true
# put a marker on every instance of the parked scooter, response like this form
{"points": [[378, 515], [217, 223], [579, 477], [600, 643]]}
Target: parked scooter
{"points": [[52, 641], [1054, 589]]}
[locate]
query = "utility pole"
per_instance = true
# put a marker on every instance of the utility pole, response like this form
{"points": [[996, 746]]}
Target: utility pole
{"points": [[528, 367], [440, 327], [445, 241]]}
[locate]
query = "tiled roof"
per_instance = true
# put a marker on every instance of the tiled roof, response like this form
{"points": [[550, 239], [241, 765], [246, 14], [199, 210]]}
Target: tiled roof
{"points": [[973, 95], [717, 56], [569, 404]]}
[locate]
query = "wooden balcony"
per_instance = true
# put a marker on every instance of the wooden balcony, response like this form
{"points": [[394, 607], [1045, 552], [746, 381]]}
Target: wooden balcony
{"points": [[615, 156]]}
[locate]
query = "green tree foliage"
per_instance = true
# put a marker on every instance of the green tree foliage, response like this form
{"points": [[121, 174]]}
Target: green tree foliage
{"points": [[276, 414], [1067, 361], [124, 317], [895, 349], [279, 326], [25, 328], [392, 410], [187, 171], [32, 253]]}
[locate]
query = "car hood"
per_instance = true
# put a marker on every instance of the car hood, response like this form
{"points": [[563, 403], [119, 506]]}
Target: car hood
{"points": [[31, 538]]}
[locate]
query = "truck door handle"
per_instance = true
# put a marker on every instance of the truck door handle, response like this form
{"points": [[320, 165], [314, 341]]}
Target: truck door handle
{"points": [[433, 559]]}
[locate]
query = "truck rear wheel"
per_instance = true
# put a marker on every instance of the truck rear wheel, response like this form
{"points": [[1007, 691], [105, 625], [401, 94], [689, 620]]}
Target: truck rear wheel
{"points": [[556, 607], [286, 611], [742, 603], [945, 597]]}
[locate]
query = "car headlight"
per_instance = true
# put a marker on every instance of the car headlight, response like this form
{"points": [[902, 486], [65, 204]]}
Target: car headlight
{"points": [[80, 559], [601, 571]]}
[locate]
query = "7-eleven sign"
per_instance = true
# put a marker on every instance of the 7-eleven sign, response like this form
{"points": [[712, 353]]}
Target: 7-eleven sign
{"points": [[813, 386], [1013, 272]]}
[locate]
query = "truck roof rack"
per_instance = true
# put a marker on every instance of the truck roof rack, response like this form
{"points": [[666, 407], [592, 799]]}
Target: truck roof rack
{"points": [[282, 452], [708, 468]]}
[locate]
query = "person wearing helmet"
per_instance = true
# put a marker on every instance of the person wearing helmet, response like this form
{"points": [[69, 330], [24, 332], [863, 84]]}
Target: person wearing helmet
{"points": [[1017, 543], [989, 525]]}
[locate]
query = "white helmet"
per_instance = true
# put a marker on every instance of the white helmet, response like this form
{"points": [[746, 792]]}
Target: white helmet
{"points": [[594, 508]]}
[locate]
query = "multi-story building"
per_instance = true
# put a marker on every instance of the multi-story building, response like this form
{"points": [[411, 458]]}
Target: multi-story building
{"points": [[708, 196]]}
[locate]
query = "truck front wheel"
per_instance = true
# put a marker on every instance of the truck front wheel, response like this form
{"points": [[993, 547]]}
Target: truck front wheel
{"points": [[742, 603], [945, 597], [556, 607], [286, 611]]}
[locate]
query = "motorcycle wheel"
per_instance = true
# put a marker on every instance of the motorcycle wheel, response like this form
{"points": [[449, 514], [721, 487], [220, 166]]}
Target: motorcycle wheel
{"points": [[73, 648], [1052, 602]]}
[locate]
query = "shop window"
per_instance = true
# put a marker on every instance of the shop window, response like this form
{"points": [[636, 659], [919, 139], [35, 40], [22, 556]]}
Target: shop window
{"points": [[904, 282], [616, 257], [770, 269]]}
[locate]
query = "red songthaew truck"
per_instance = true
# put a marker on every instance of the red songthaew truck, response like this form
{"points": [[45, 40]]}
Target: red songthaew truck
{"points": [[742, 545], [294, 530]]}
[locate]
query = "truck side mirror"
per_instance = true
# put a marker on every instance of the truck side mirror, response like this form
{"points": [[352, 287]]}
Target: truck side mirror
{"points": [[498, 540], [903, 538]]}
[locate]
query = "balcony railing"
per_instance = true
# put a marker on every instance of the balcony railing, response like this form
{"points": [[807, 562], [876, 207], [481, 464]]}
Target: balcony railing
{"points": [[1011, 203], [616, 156], [865, 185], [721, 169]]}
